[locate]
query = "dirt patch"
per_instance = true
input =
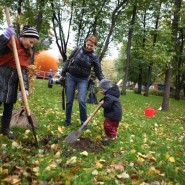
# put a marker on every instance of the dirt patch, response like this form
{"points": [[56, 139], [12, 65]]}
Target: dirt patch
{"points": [[89, 145], [82, 144]]}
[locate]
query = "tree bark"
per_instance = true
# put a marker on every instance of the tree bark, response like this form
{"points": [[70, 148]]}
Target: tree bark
{"points": [[130, 34], [179, 74], [166, 97], [149, 74]]}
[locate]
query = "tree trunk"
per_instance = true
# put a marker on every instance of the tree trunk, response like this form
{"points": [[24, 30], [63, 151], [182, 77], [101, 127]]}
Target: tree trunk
{"points": [[175, 23], [149, 77], [130, 33], [140, 80], [149, 74], [179, 75], [166, 95]]}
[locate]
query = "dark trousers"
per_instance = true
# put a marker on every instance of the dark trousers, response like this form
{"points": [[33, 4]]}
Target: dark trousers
{"points": [[7, 113]]}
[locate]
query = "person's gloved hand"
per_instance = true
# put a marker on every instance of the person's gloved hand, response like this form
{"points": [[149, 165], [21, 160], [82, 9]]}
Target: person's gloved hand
{"points": [[9, 32], [20, 94]]}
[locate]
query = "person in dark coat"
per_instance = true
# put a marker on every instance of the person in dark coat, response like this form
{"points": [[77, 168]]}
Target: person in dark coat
{"points": [[8, 73], [112, 108], [78, 74], [50, 78]]}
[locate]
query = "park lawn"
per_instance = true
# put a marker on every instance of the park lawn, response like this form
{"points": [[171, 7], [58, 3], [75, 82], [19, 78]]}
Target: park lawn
{"points": [[148, 150]]}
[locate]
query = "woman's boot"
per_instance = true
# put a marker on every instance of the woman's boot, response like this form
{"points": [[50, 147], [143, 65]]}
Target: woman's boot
{"points": [[5, 128]]}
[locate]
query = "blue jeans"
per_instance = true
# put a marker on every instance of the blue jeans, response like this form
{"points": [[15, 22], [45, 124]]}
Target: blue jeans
{"points": [[81, 84]]}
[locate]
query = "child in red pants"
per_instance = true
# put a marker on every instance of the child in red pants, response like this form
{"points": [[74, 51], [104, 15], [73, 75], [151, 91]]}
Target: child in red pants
{"points": [[112, 108]]}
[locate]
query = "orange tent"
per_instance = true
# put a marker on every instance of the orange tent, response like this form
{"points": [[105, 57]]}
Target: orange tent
{"points": [[44, 61]]}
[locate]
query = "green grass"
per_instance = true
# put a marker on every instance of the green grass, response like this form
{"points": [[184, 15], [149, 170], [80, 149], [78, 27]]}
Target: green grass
{"points": [[149, 150]]}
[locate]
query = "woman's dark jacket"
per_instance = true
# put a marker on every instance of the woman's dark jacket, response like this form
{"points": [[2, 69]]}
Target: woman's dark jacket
{"points": [[83, 62], [8, 75], [112, 106]]}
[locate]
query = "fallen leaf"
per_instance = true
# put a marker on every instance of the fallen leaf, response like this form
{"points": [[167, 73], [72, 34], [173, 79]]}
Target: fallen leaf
{"points": [[72, 160], [98, 165], [118, 167], [57, 155], [15, 145], [61, 129], [123, 176], [85, 153], [171, 159], [54, 147], [12, 179], [95, 172]]}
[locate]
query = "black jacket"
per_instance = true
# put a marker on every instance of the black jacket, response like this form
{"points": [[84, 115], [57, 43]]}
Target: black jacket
{"points": [[9, 77], [112, 106], [83, 62]]}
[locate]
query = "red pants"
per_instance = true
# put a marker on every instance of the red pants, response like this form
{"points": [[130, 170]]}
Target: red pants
{"points": [[110, 128]]}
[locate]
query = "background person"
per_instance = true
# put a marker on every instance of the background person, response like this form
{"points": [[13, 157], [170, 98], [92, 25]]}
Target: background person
{"points": [[50, 78], [78, 74], [8, 73], [112, 108]]}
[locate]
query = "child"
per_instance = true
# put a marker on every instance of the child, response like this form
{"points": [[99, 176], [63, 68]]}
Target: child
{"points": [[112, 108], [8, 73]]}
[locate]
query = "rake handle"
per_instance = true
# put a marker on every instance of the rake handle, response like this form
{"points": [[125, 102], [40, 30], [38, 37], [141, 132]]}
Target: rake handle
{"points": [[91, 116]]}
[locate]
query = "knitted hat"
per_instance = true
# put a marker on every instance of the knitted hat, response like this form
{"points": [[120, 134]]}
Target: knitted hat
{"points": [[29, 32], [105, 84]]}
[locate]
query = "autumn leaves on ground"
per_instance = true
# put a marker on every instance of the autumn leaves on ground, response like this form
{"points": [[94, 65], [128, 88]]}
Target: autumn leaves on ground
{"points": [[148, 150]]}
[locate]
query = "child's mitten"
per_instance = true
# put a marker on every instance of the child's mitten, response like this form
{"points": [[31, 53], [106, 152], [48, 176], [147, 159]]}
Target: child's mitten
{"points": [[9, 32]]}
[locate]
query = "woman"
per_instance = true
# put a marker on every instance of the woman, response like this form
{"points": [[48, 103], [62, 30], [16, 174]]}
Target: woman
{"points": [[78, 74], [8, 73]]}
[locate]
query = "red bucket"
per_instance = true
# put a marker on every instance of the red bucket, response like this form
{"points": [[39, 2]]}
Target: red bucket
{"points": [[149, 112]]}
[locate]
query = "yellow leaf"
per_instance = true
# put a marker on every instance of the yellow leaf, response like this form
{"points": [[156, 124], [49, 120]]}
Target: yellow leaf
{"points": [[5, 171], [167, 155], [133, 151], [126, 125], [98, 137], [140, 159], [57, 155], [171, 159], [98, 165], [61, 129], [152, 171], [12, 179], [54, 147]]}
